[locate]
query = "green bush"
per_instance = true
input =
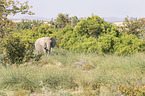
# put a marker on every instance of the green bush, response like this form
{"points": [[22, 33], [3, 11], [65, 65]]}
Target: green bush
{"points": [[69, 39], [92, 26], [106, 43], [81, 38], [92, 34], [62, 34], [28, 24], [74, 42], [26, 34], [123, 45], [16, 50], [134, 26], [33, 34], [128, 44], [83, 44], [44, 29]]}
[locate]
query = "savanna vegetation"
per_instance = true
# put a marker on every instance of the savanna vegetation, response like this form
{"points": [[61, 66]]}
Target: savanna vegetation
{"points": [[92, 57]]}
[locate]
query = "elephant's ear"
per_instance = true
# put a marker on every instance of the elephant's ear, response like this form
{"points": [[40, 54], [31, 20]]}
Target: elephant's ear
{"points": [[53, 42]]}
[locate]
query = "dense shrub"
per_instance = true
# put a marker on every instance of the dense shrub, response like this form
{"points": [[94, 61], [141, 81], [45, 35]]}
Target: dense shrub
{"points": [[44, 29], [73, 41], [62, 20], [27, 34], [125, 44], [92, 34], [16, 50], [81, 38], [106, 43], [28, 24], [128, 44], [84, 44], [61, 34], [35, 33], [92, 26], [134, 26], [109, 41]]}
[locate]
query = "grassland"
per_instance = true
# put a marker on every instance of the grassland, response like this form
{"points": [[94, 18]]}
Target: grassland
{"points": [[73, 74]]}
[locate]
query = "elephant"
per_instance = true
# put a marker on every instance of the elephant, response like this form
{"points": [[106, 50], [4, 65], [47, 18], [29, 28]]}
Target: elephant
{"points": [[44, 44]]}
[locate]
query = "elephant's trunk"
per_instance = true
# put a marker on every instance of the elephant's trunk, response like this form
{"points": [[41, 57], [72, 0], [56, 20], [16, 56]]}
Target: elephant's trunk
{"points": [[48, 47]]}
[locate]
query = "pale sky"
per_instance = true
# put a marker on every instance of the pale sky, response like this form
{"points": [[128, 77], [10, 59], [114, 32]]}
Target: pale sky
{"points": [[84, 8]]}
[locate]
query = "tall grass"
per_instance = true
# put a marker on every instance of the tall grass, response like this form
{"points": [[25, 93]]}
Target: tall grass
{"points": [[117, 75], [18, 78]]}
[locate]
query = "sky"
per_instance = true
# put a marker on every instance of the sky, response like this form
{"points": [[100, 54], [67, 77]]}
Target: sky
{"points": [[84, 8]]}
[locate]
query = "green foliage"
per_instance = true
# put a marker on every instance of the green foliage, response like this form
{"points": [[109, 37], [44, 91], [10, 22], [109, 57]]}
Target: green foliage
{"points": [[44, 29], [74, 21], [33, 34], [17, 51], [61, 34], [92, 26], [11, 7], [123, 45], [106, 44], [69, 39], [83, 44], [108, 38], [28, 24], [62, 20], [106, 41], [134, 26], [26, 34], [6, 27], [128, 44]]}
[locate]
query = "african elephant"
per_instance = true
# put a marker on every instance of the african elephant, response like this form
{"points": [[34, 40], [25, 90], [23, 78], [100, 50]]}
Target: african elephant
{"points": [[44, 44]]}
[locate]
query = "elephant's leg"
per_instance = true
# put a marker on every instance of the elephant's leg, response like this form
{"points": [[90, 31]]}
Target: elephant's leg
{"points": [[44, 50], [48, 51]]}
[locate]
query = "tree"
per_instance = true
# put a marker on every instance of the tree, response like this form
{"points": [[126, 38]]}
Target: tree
{"points": [[11, 7], [62, 20], [28, 24], [93, 26], [74, 21], [134, 26], [17, 50]]}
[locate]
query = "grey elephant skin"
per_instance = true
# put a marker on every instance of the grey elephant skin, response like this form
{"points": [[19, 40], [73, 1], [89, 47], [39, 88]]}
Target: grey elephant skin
{"points": [[44, 44]]}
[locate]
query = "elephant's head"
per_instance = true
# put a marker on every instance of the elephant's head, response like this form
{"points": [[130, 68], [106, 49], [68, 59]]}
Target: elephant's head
{"points": [[53, 42]]}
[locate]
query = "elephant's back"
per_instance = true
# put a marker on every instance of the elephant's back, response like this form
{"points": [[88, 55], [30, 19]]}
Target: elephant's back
{"points": [[41, 40]]}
